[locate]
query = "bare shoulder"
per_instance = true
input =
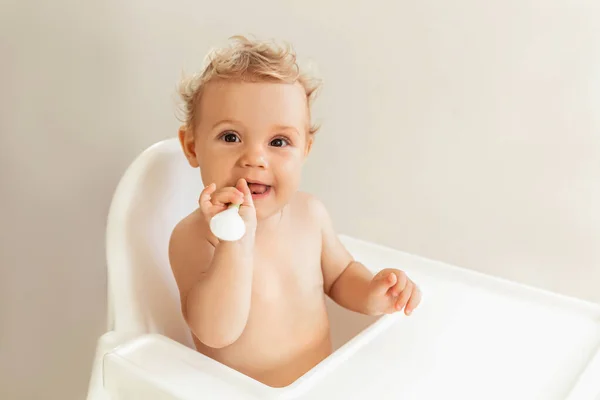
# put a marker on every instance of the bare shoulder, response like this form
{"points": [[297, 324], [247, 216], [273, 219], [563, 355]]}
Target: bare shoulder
{"points": [[334, 256], [187, 229], [310, 206], [190, 251], [189, 237]]}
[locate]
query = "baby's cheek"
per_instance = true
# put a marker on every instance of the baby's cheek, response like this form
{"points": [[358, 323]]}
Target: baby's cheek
{"points": [[215, 171], [209, 176], [289, 173], [206, 177]]}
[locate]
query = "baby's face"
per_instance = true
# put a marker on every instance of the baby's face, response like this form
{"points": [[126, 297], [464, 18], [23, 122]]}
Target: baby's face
{"points": [[256, 131]]}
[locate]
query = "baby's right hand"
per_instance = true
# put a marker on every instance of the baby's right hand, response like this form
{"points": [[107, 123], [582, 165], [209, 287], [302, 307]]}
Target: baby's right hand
{"points": [[213, 201]]}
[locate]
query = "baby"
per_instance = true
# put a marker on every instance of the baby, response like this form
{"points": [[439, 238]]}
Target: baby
{"points": [[258, 304]]}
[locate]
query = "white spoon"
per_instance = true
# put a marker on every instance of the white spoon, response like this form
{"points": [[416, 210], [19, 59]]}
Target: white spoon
{"points": [[228, 225]]}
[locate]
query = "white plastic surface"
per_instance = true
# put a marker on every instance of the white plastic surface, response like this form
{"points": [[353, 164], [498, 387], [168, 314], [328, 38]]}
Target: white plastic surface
{"points": [[474, 336]]}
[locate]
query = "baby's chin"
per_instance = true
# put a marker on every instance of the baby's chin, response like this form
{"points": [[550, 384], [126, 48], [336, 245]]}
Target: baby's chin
{"points": [[268, 210], [263, 214]]}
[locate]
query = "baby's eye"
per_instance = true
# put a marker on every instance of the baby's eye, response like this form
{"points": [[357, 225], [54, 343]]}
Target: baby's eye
{"points": [[279, 142], [230, 137]]}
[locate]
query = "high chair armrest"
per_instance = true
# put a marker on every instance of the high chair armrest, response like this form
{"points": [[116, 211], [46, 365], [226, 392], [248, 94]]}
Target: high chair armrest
{"points": [[156, 367]]}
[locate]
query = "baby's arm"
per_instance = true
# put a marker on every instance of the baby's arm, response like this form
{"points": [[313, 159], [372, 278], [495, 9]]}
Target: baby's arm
{"points": [[345, 280], [214, 283], [351, 285], [214, 279]]}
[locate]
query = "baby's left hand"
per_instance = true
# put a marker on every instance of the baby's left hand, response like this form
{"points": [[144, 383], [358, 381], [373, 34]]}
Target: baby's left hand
{"points": [[390, 291]]}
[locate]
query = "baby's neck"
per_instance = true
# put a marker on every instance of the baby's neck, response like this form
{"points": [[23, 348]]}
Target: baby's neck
{"points": [[270, 224]]}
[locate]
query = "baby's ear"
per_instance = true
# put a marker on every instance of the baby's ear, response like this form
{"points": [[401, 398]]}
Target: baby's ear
{"points": [[188, 145]]}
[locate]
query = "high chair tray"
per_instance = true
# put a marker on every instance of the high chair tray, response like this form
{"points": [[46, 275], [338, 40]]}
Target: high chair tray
{"points": [[473, 337]]}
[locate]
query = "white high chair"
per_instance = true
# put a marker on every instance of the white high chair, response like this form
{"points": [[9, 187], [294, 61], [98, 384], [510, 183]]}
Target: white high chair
{"points": [[473, 337]]}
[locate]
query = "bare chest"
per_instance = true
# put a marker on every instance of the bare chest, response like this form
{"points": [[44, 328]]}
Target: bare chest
{"points": [[286, 267], [287, 331]]}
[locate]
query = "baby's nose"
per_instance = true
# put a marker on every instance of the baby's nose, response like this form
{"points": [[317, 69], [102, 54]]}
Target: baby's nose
{"points": [[254, 158]]}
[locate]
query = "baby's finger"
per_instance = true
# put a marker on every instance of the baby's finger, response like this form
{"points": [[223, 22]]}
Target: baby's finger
{"points": [[414, 301], [204, 200], [404, 296], [242, 186], [382, 282], [400, 284], [228, 195]]}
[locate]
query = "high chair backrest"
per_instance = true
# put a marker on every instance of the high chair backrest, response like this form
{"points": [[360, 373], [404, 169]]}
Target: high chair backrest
{"points": [[158, 189]]}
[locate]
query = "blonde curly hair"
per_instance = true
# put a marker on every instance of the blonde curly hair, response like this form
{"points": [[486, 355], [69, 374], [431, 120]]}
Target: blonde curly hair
{"points": [[250, 61]]}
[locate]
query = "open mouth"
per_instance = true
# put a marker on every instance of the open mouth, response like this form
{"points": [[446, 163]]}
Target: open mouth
{"points": [[259, 190]]}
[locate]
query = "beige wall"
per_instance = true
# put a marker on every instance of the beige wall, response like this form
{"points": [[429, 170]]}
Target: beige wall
{"points": [[464, 131]]}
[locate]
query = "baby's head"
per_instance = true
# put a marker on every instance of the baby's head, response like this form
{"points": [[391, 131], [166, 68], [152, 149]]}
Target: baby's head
{"points": [[247, 115]]}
